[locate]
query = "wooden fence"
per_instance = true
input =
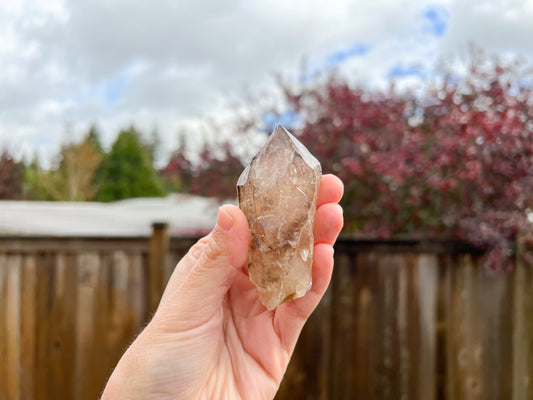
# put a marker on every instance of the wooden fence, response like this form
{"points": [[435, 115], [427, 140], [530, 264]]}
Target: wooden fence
{"points": [[401, 320]]}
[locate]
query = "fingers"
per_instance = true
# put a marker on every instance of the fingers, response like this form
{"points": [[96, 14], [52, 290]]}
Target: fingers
{"points": [[222, 255], [290, 317], [328, 223], [331, 190]]}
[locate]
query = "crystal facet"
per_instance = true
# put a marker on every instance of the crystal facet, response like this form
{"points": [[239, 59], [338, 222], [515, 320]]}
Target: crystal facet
{"points": [[278, 193]]}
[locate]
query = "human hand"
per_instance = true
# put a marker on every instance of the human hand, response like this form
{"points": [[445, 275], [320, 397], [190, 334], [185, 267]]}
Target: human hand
{"points": [[211, 338]]}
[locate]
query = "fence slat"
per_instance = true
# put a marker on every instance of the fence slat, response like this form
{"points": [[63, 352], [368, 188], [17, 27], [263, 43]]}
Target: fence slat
{"points": [[365, 309], [3, 327], [342, 329], [159, 245], [45, 276], [13, 327], [522, 338], [87, 386], [426, 281], [28, 326]]}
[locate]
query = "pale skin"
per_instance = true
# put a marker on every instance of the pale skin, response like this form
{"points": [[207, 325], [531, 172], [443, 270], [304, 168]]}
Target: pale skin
{"points": [[211, 338]]}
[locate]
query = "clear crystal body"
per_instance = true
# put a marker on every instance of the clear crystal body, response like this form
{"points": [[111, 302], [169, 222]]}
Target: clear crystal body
{"points": [[278, 193]]}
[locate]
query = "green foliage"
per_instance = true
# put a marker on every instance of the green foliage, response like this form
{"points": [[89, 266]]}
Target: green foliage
{"points": [[93, 138], [127, 170], [72, 176]]}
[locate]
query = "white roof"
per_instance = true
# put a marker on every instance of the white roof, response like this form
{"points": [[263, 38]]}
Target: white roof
{"points": [[186, 215]]}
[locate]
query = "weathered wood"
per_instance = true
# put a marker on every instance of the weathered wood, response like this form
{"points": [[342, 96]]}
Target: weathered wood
{"points": [[87, 387], [46, 264], [342, 328], [365, 309], [70, 245], [13, 327], [425, 311], [63, 297], [159, 244], [3, 327], [402, 319], [522, 335], [28, 326]]}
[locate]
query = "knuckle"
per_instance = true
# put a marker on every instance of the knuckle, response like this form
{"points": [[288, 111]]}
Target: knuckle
{"points": [[212, 250]]}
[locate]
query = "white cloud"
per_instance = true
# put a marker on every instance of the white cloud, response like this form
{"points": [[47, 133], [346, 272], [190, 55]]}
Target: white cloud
{"points": [[166, 64]]}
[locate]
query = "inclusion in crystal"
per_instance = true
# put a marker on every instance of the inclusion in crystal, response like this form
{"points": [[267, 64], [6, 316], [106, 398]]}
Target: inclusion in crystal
{"points": [[278, 194]]}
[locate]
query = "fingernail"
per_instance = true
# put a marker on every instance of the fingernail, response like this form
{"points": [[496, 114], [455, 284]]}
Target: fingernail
{"points": [[224, 220]]}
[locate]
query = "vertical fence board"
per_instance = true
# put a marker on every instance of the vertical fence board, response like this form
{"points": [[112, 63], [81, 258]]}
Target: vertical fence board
{"points": [[62, 328], [522, 332], [426, 313], [28, 326], [87, 387], [527, 379], [13, 327], [118, 331], [342, 329], [364, 311], [3, 327], [387, 349], [495, 308], [159, 246], [405, 352], [464, 337], [101, 321], [45, 275], [136, 293]]}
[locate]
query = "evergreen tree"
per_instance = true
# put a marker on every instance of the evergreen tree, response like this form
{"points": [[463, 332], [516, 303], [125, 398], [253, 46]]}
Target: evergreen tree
{"points": [[127, 171], [93, 138]]}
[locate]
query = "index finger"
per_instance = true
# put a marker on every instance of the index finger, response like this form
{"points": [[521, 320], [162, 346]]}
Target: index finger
{"points": [[331, 190]]}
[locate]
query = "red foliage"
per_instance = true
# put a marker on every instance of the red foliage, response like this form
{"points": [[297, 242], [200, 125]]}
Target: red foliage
{"points": [[456, 161], [11, 177], [178, 171], [217, 177], [212, 176]]}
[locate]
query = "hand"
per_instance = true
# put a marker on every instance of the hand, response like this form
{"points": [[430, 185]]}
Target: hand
{"points": [[211, 338]]}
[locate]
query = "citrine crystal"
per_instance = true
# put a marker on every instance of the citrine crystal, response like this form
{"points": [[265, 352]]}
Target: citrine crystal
{"points": [[278, 194]]}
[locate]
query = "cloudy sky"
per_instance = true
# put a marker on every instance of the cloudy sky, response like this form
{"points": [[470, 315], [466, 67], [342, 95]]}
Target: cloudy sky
{"points": [[167, 64]]}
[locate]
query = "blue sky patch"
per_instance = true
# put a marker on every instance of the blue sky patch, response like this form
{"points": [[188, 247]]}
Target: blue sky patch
{"points": [[110, 91], [113, 90], [340, 56], [289, 120], [401, 71], [335, 59], [436, 20]]}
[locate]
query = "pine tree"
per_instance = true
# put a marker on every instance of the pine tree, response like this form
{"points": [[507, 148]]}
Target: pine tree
{"points": [[127, 171]]}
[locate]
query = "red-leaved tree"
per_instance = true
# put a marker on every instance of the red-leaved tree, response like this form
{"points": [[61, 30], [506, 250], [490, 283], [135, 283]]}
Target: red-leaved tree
{"points": [[453, 161], [212, 175], [11, 177]]}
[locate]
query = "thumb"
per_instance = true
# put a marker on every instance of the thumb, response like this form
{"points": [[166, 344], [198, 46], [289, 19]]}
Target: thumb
{"points": [[223, 256]]}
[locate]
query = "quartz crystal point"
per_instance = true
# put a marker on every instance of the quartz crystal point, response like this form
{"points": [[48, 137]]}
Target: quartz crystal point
{"points": [[278, 193]]}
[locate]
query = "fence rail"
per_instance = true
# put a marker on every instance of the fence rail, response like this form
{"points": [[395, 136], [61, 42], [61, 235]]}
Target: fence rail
{"points": [[404, 319]]}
